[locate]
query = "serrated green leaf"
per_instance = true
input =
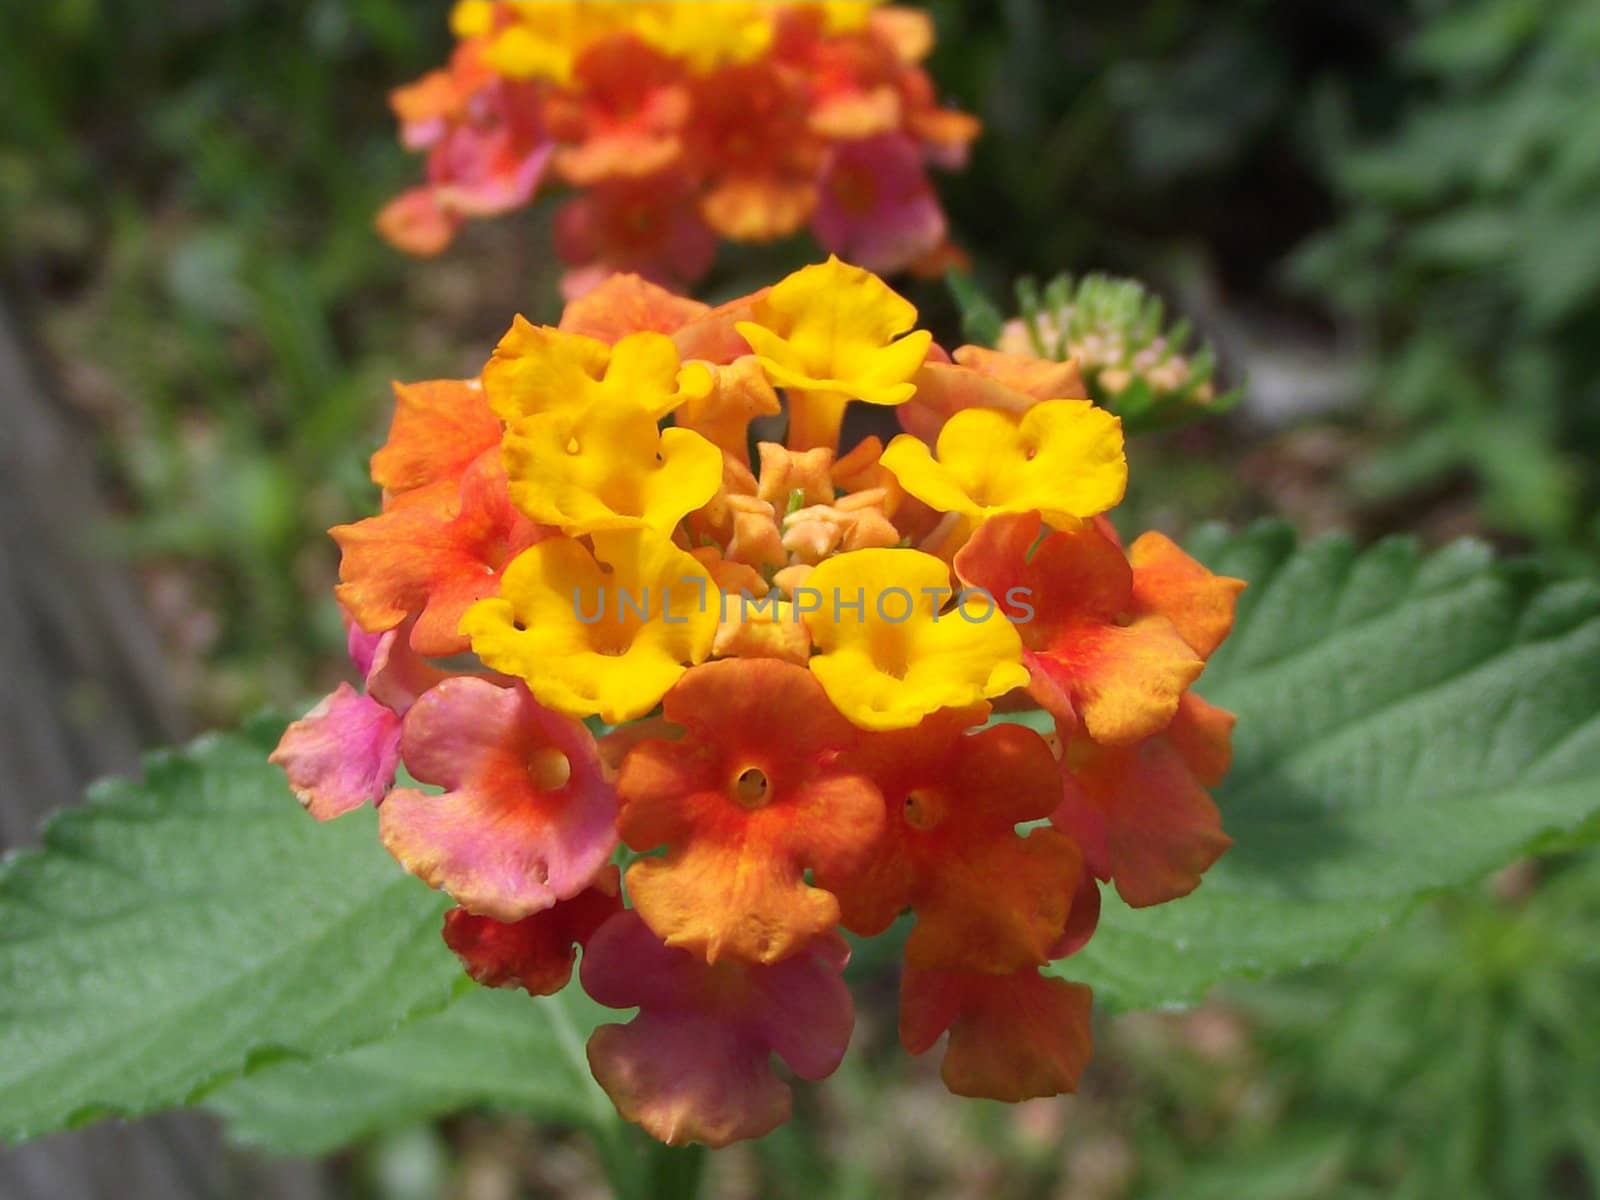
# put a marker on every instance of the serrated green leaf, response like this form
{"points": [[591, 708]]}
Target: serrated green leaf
{"points": [[1406, 725], [180, 929], [490, 1049]]}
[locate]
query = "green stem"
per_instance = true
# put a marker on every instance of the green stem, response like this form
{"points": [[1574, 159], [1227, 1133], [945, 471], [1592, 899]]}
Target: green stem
{"points": [[641, 1168], [675, 1172]]}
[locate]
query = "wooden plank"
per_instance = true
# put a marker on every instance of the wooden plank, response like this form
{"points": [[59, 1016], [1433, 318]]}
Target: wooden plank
{"points": [[82, 691]]}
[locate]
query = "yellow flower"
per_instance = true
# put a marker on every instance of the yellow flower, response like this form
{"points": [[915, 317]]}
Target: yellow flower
{"points": [[537, 369], [828, 334], [707, 34], [1062, 458], [608, 468], [846, 16], [589, 641], [523, 53], [548, 35], [472, 18], [889, 654]]}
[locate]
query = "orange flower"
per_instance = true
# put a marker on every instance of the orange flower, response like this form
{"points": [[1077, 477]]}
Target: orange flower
{"points": [[1093, 656], [1039, 378], [749, 800], [986, 898], [623, 116], [749, 140], [980, 378], [946, 133], [433, 560], [628, 303], [739, 394], [440, 428], [1012, 1037], [1168, 583], [1141, 813]]}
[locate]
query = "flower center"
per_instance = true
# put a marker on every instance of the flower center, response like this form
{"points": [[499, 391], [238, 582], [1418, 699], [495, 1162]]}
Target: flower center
{"points": [[751, 788], [924, 808], [549, 769]]}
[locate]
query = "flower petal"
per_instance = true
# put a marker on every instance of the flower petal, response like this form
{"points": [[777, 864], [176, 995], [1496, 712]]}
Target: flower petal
{"points": [[746, 802], [340, 755], [440, 428], [536, 953], [527, 819], [1166, 581], [1012, 1037], [693, 1066]]}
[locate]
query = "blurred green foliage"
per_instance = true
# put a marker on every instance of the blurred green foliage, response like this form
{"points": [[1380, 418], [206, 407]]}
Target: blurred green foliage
{"points": [[1117, 135], [1467, 250], [1419, 175], [186, 197], [1449, 1059]]}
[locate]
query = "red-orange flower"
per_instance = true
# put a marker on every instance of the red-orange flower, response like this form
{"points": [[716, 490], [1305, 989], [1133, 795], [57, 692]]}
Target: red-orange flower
{"points": [[1092, 656], [986, 899], [440, 428], [750, 141], [753, 796], [536, 953], [433, 560], [1141, 813], [757, 111], [623, 116]]}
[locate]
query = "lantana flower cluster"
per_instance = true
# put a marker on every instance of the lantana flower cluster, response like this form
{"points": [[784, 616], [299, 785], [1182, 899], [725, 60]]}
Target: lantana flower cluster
{"points": [[681, 121], [698, 700]]}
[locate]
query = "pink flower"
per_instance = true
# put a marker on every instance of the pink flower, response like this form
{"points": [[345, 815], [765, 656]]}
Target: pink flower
{"points": [[528, 818], [490, 161], [693, 1066], [876, 207], [343, 753]]}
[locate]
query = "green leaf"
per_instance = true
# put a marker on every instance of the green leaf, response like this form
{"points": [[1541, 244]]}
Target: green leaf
{"points": [[180, 930], [492, 1049], [1406, 725], [495, 1050], [981, 320]]}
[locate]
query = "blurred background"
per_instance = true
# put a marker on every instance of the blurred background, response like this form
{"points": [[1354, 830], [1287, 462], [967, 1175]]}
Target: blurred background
{"points": [[1383, 214]]}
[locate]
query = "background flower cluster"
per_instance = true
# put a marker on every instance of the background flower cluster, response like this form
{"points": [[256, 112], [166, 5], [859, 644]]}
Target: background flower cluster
{"points": [[681, 122]]}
